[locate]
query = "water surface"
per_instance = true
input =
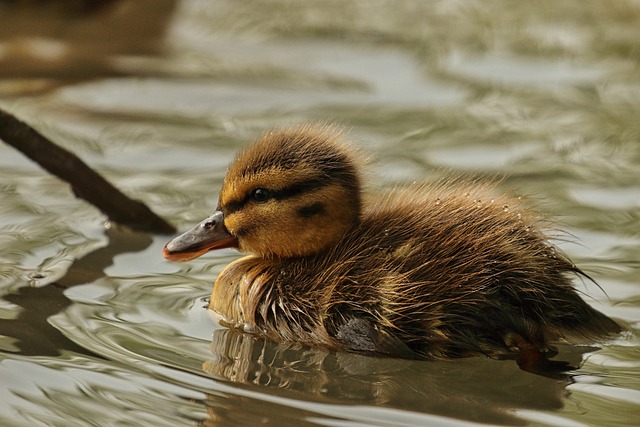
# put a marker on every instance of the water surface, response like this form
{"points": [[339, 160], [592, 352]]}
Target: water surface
{"points": [[97, 329]]}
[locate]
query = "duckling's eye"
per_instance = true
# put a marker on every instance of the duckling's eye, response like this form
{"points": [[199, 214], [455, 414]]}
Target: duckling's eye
{"points": [[260, 195]]}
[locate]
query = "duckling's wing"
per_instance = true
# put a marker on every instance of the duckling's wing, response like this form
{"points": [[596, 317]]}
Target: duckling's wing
{"points": [[364, 336]]}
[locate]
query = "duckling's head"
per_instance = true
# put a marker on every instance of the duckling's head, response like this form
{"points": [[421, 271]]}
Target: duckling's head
{"points": [[294, 192]]}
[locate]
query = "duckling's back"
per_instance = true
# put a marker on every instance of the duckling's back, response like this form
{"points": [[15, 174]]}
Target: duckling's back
{"points": [[446, 271]]}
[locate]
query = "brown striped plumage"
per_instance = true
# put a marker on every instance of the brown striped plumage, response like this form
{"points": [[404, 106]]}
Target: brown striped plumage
{"points": [[428, 271]]}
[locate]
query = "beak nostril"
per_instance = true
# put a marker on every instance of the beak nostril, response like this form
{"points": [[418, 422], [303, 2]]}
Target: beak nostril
{"points": [[208, 225]]}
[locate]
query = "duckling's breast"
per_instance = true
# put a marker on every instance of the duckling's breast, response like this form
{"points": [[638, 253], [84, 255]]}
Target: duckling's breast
{"points": [[238, 291]]}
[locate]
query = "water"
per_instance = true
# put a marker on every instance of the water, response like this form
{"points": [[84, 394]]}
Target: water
{"points": [[97, 329]]}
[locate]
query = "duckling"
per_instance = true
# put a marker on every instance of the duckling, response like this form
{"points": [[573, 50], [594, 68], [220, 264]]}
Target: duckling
{"points": [[426, 272]]}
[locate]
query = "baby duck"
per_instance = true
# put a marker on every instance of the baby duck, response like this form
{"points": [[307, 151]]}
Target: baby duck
{"points": [[429, 271]]}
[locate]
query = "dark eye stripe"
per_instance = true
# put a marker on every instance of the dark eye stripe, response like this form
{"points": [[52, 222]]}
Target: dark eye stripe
{"points": [[284, 193], [233, 206], [298, 188]]}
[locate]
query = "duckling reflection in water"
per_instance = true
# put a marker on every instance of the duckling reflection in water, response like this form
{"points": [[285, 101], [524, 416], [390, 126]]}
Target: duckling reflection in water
{"points": [[425, 272], [471, 389]]}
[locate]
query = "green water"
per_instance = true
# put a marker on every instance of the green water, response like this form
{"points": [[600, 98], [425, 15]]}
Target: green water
{"points": [[97, 329]]}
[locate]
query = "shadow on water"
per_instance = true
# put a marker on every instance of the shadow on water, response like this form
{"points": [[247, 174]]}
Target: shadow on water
{"points": [[56, 43], [473, 389], [33, 333]]}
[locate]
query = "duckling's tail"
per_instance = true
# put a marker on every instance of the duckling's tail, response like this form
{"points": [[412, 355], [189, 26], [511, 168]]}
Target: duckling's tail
{"points": [[589, 326], [568, 314], [581, 324]]}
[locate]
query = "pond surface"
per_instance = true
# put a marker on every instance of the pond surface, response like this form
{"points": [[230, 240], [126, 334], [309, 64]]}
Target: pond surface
{"points": [[97, 329]]}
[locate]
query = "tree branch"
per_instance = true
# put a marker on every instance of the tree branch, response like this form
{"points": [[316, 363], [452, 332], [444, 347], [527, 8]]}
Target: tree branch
{"points": [[85, 182]]}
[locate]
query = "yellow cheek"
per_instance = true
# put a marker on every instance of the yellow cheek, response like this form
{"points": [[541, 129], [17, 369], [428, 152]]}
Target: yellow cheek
{"points": [[233, 221], [277, 227], [251, 217]]}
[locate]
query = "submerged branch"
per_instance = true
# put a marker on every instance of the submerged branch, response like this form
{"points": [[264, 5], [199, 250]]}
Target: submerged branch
{"points": [[85, 182]]}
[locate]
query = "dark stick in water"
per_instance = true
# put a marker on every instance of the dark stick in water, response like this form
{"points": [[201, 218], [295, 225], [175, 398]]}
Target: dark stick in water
{"points": [[85, 182]]}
